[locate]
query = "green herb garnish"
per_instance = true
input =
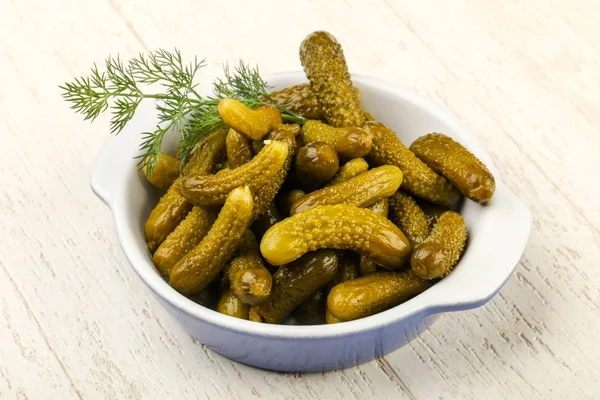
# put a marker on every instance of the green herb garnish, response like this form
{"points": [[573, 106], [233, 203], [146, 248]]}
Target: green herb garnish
{"points": [[122, 87]]}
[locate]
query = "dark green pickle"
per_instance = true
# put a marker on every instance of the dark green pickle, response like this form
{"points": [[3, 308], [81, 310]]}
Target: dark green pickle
{"points": [[315, 164]]}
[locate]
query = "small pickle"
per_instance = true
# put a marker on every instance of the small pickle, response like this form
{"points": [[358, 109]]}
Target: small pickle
{"points": [[312, 310], [239, 151], [316, 163], [254, 316], [198, 268], [249, 279], [292, 284], [266, 220], [368, 116], [206, 190], [349, 142], [352, 168], [452, 160], [406, 213], [330, 319], [360, 191], [373, 293], [173, 207], [165, 172], [288, 199], [300, 99], [255, 124], [230, 304], [367, 266], [184, 238], [439, 254], [325, 66], [341, 227], [419, 179]]}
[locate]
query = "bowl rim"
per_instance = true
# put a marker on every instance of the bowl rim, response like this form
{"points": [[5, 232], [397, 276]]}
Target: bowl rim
{"points": [[114, 195]]}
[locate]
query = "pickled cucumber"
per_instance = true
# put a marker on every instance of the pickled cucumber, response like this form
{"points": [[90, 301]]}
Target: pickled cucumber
{"points": [[184, 238], [349, 142], [292, 284], [330, 319], [300, 99], [406, 213], [230, 304], [367, 266], [198, 268], [437, 256], [288, 199], [239, 151], [315, 164], [267, 219], [312, 310], [254, 316], [373, 293], [361, 191], [419, 179], [341, 227], [249, 279], [255, 124], [173, 207], [165, 172], [452, 160], [325, 66], [206, 190], [352, 168]]}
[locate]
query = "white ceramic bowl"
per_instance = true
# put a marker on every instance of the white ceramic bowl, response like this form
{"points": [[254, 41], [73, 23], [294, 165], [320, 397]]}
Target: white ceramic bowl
{"points": [[498, 233]]}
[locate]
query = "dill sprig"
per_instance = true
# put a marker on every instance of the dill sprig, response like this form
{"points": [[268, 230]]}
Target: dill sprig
{"points": [[122, 87]]}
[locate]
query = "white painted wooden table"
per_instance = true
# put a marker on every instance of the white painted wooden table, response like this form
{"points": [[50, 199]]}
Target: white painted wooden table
{"points": [[76, 322]]}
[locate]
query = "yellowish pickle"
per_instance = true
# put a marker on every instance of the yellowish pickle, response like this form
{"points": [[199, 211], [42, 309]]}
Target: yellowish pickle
{"points": [[255, 124], [184, 238], [249, 279], [439, 254], [254, 316], [419, 179], [198, 268], [452, 160], [406, 213], [239, 151], [165, 172], [207, 190], [325, 66], [330, 319], [294, 283], [230, 304], [173, 207], [367, 266], [352, 168], [372, 294], [349, 142], [360, 191], [315, 164], [300, 99], [341, 227]]}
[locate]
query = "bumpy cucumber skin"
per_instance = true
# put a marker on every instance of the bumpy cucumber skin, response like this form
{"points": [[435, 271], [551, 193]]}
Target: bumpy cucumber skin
{"points": [[230, 304], [300, 99], [367, 266], [452, 160], [419, 179], [406, 213], [325, 66], [349, 142], [315, 164], [292, 284], [352, 168], [207, 190], [173, 207], [361, 191], [198, 268], [248, 278], [341, 227], [255, 124], [373, 293], [439, 254], [184, 238], [165, 172], [239, 151]]}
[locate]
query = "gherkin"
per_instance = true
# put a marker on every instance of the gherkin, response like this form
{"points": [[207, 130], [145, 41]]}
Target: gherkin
{"points": [[440, 252], [406, 213], [315, 164], [230, 304], [238, 147], [349, 142], [325, 66], [352, 168]]}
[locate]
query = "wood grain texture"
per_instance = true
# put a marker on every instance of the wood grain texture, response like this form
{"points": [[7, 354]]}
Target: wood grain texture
{"points": [[524, 75]]}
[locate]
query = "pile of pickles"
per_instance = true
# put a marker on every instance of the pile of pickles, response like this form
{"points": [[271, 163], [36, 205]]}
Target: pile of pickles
{"points": [[327, 222]]}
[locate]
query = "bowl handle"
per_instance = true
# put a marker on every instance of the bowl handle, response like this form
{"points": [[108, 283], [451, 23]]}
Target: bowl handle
{"points": [[509, 232]]}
